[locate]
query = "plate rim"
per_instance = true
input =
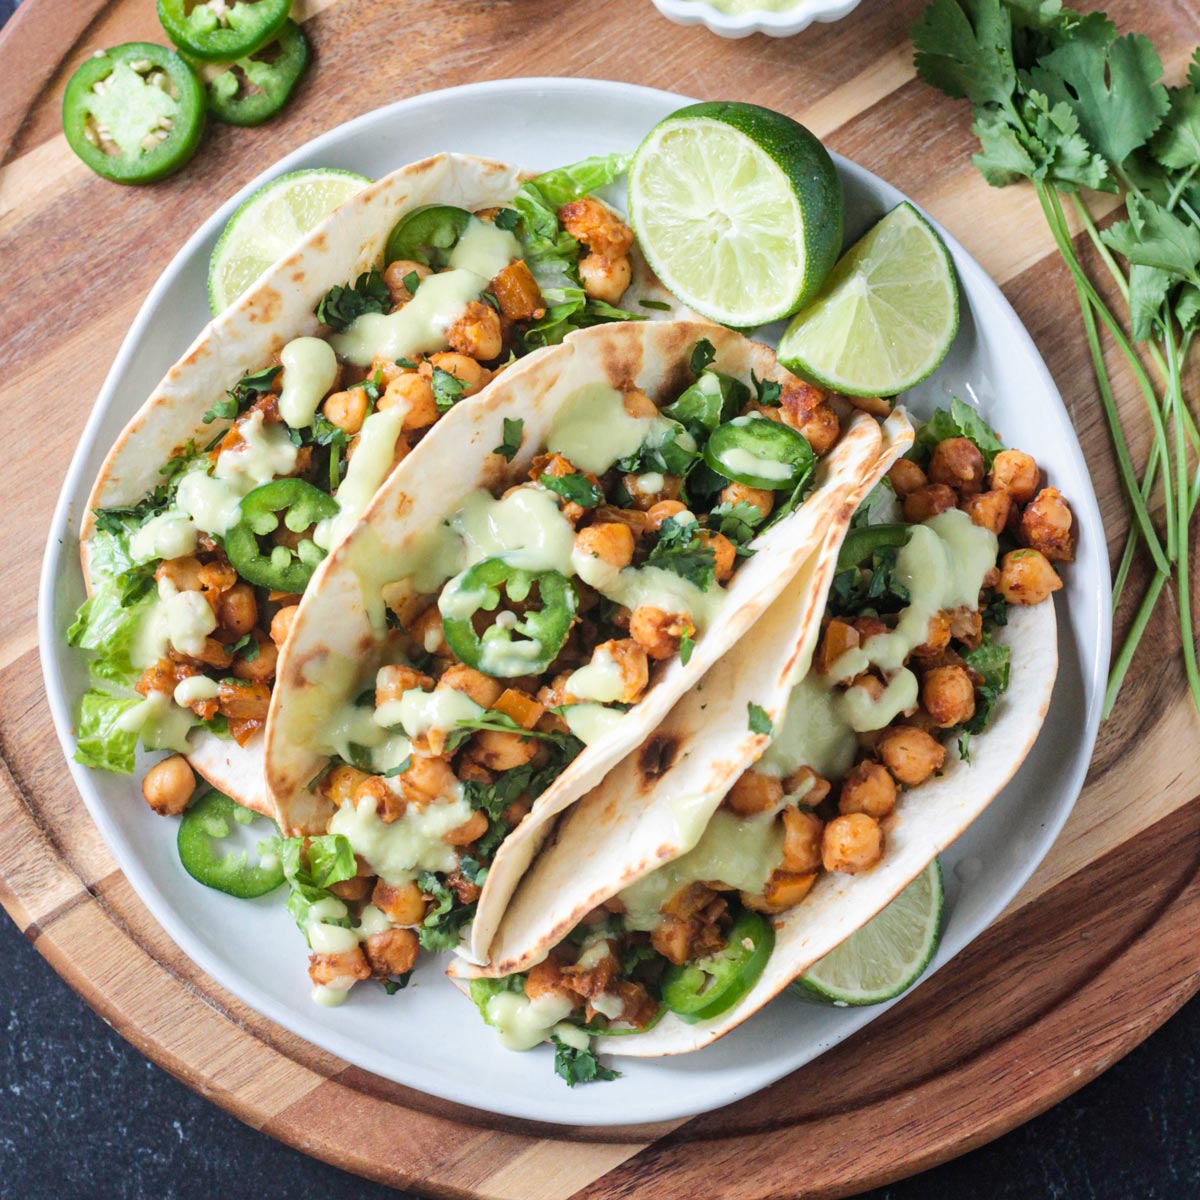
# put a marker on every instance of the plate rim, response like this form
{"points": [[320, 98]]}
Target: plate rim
{"points": [[62, 544]]}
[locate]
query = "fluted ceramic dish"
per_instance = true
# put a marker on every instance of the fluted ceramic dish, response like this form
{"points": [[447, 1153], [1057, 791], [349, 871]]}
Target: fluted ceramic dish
{"points": [[739, 25]]}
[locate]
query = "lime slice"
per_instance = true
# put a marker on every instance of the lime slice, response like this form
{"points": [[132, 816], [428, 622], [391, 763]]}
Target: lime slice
{"points": [[887, 955], [270, 223], [738, 210], [886, 316]]}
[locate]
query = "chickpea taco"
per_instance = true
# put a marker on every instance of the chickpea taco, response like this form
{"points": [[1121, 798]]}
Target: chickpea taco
{"points": [[264, 444], [506, 624], [864, 723]]}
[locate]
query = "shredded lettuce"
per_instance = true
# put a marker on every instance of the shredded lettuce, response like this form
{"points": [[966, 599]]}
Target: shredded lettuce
{"points": [[99, 743], [961, 421], [309, 873], [564, 184]]}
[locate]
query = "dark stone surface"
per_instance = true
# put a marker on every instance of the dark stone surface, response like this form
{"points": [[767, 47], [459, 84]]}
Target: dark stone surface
{"points": [[82, 1114]]}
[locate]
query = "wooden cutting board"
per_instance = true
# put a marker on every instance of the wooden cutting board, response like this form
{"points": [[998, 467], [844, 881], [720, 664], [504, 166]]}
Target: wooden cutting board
{"points": [[1098, 949]]}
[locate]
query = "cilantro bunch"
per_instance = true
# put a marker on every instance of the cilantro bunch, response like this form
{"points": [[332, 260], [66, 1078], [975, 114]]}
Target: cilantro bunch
{"points": [[1062, 100]]}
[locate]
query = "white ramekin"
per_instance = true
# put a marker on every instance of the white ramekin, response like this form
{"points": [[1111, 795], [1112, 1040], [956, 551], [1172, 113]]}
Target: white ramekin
{"points": [[773, 24]]}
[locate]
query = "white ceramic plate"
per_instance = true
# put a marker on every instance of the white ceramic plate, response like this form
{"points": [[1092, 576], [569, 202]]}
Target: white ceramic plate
{"points": [[784, 23], [429, 1037]]}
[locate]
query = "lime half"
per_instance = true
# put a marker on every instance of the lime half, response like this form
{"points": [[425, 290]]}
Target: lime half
{"points": [[270, 223], [738, 210], [887, 955], [885, 318]]}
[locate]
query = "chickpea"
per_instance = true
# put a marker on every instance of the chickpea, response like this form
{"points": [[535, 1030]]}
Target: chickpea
{"points": [[851, 843], [660, 512], [481, 688], [937, 637], [394, 274], [989, 510], [596, 226], [477, 332], [426, 780], [413, 392], [839, 637], [1016, 473], [609, 541], [473, 828], [724, 551], [499, 751], [659, 632], [957, 463], [927, 502], [802, 840], [906, 477], [281, 624], [868, 627], [807, 410], [1046, 526], [754, 792], [966, 625], [237, 610], [632, 663], [352, 890], [392, 952], [605, 278], [911, 754], [392, 681], [260, 668], [948, 695], [784, 890], [340, 784], [427, 631], [546, 979], [868, 789], [740, 493], [168, 786], [185, 573], [340, 971], [347, 410], [1026, 577], [671, 487], [473, 375], [404, 905], [637, 404], [806, 786]]}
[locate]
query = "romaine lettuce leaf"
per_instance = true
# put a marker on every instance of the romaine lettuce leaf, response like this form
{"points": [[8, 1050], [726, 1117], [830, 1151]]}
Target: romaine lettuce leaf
{"points": [[99, 743]]}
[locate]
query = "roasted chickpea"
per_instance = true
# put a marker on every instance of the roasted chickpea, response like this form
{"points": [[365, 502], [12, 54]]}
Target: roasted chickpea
{"points": [[806, 786], [260, 668], [927, 502], [724, 551], [413, 392], [340, 971], [185, 573], [473, 375], [632, 663], [911, 754], [340, 784], [948, 695], [966, 625], [477, 332], [426, 780], [481, 688], [281, 624], [637, 404], [784, 890], [352, 890], [740, 493], [393, 680], [807, 410], [989, 510], [428, 632], [404, 905], [802, 840], [392, 952], [594, 224], [168, 786], [474, 827], [868, 789], [868, 627], [1026, 577], [851, 843], [754, 792], [659, 632], [1046, 526], [395, 273], [958, 464], [906, 477], [605, 278], [500, 751], [347, 410], [1016, 473], [610, 541], [656, 514], [237, 610], [546, 979]]}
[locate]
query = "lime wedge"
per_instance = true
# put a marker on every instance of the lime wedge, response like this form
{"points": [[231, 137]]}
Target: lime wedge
{"points": [[738, 210], [270, 223], [887, 955], [886, 316]]}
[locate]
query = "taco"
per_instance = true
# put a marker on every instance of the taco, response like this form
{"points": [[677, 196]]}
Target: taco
{"points": [[522, 605], [264, 444], [861, 727]]}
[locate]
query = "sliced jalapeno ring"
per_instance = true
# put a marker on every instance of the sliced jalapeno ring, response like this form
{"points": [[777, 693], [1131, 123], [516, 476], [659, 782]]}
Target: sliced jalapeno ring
{"points": [[708, 987], [427, 235], [279, 568], [224, 32], [255, 88], [760, 453], [135, 113], [514, 644], [713, 398], [863, 543], [204, 826]]}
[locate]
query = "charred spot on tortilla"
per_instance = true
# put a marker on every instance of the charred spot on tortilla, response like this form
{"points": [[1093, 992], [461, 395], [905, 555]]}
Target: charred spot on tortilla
{"points": [[657, 755], [264, 306], [320, 241], [404, 503]]}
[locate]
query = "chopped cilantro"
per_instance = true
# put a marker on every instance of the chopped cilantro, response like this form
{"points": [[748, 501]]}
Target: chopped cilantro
{"points": [[514, 431], [341, 306], [680, 549], [447, 389], [703, 353], [759, 721], [576, 488], [579, 1066]]}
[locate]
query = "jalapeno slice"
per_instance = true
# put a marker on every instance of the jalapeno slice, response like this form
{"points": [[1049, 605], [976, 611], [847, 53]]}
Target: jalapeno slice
{"points": [[713, 398], [862, 544], [256, 87], [280, 568], [515, 644], [135, 113], [204, 826], [708, 987], [760, 453], [219, 33], [427, 235]]}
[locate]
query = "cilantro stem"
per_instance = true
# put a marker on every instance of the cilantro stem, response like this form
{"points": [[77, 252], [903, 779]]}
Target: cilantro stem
{"points": [[1089, 300], [1120, 667]]}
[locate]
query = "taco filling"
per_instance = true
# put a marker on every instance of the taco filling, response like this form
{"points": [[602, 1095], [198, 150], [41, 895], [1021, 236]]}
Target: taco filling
{"points": [[910, 666], [194, 586]]}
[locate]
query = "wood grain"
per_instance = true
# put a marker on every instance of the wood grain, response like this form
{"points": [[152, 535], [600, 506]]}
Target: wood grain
{"points": [[1095, 952]]}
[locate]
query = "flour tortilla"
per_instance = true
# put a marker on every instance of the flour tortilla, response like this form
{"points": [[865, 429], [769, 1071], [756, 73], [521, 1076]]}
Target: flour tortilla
{"points": [[655, 804], [335, 647], [277, 308]]}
